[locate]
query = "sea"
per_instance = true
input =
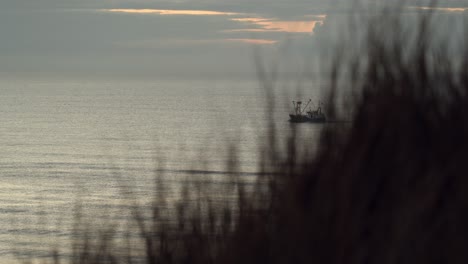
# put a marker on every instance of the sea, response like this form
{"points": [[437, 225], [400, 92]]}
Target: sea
{"points": [[70, 148]]}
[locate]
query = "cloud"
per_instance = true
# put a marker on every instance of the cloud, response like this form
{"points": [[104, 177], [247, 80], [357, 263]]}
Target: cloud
{"points": [[272, 25], [256, 23], [262, 24], [172, 12], [253, 41], [141, 37], [443, 9], [321, 16], [184, 43]]}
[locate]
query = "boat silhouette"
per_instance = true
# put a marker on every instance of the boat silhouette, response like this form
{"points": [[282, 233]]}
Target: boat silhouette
{"points": [[311, 116]]}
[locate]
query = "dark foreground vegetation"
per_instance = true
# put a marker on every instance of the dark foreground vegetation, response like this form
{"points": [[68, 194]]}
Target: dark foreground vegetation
{"points": [[389, 187]]}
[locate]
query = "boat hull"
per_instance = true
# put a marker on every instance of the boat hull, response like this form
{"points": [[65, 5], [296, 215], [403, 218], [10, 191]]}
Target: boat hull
{"points": [[306, 119], [298, 118]]}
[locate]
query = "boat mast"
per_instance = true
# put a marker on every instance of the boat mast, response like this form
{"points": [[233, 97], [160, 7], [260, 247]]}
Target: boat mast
{"points": [[297, 107], [306, 105], [319, 109]]}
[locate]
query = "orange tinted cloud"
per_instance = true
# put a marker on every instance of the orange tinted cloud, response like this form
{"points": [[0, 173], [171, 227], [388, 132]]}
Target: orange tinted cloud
{"points": [[265, 25], [172, 12], [253, 41]]}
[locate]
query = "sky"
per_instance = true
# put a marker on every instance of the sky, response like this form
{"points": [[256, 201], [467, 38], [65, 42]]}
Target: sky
{"points": [[172, 38]]}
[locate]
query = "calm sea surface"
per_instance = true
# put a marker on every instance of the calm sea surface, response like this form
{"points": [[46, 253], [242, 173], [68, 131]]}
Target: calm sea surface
{"points": [[65, 145]]}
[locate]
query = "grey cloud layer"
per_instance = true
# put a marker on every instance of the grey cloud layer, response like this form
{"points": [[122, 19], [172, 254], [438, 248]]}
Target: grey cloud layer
{"points": [[77, 37]]}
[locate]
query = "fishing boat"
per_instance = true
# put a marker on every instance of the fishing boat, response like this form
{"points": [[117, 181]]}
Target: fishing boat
{"points": [[311, 116]]}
